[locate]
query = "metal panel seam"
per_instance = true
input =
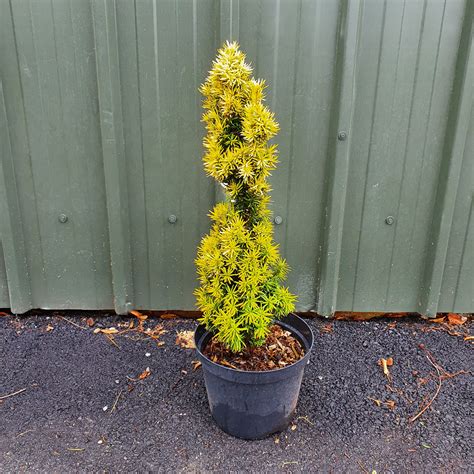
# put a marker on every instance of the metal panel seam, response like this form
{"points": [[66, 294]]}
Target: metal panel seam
{"points": [[339, 167], [111, 126], [450, 171], [16, 266]]}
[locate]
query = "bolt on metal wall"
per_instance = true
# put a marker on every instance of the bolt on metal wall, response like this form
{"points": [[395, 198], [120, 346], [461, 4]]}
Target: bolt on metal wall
{"points": [[103, 198]]}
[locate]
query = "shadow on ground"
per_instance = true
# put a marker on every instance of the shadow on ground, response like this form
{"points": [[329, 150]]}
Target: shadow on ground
{"points": [[65, 420]]}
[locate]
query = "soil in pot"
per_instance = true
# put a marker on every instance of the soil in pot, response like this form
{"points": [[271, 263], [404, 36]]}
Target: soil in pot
{"points": [[280, 349]]}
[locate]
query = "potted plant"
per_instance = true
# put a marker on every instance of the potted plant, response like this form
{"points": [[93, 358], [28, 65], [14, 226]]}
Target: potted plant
{"points": [[252, 348]]}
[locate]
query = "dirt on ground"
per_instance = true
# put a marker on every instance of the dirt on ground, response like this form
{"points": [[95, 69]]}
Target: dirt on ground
{"points": [[78, 394]]}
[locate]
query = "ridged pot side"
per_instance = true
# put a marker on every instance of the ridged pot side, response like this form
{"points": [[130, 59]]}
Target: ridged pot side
{"points": [[253, 405]]}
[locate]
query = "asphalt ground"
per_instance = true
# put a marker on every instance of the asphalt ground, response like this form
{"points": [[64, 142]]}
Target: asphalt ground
{"points": [[85, 408]]}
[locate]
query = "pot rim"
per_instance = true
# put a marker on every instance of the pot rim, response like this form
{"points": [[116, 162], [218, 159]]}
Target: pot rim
{"points": [[300, 337]]}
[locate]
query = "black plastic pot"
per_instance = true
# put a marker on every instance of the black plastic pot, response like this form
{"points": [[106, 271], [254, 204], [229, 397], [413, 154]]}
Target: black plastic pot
{"points": [[253, 405]]}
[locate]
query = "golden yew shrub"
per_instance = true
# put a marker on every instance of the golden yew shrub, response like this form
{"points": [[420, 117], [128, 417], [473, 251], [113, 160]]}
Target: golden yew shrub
{"points": [[238, 263]]}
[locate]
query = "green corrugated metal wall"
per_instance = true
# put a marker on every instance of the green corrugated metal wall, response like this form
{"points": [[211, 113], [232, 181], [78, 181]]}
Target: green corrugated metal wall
{"points": [[100, 128]]}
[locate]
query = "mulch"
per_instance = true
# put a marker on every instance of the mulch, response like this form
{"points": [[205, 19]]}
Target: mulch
{"points": [[279, 350]]}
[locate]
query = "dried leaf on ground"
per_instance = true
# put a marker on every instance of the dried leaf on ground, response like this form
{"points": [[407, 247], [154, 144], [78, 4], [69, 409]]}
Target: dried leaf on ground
{"points": [[106, 331], [357, 316], [456, 330], [90, 322], [438, 320], [49, 328], [185, 339], [469, 338], [139, 315], [376, 401], [385, 363], [388, 403], [196, 364], [146, 373], [156, 331], [456, 319], [4, 314], [354, 316], [328, 328], [169, 316]]}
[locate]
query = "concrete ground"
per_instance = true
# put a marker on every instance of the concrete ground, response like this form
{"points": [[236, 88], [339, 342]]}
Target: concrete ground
{"points": [[83, 409]]}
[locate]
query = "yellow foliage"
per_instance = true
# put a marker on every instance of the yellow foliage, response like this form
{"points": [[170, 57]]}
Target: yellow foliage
{"points": [[238, 263]]}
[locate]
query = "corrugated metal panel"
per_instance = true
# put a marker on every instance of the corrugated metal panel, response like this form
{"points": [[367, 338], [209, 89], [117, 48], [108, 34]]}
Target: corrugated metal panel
{"points": [[406, 68], [100, 123], [49, 82], [458, 280]]}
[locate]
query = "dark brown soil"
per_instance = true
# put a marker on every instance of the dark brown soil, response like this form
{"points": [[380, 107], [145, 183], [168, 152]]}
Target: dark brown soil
{"points": [[280, 349]]}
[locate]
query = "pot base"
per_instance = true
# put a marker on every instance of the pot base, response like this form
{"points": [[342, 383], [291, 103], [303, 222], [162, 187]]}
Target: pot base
{"points": [[239, 425]]}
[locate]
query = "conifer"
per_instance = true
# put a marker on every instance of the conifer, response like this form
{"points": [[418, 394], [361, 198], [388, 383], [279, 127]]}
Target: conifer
{"points": [[239, 266]]}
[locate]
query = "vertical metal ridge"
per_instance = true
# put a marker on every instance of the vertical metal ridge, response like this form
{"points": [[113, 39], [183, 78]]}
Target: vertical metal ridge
{"points": [[142, 157], [179, 148], [292, 129], [40, 282], [275, 52], [111, 127], [196, 106], [259, 29], [405, 148], [425, 141], [235, 16], [450, 170], [196, 84], [42, 143], [370, 150], [66, 135], [195, 53], [4, 295], [12, 237], [338, 168], [157, 70], [87, 186], [229, 20], [225, 6], [470, 221]]}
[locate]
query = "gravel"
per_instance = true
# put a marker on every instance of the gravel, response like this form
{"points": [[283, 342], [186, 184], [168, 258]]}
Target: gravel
{"points": [[60, 423]]}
